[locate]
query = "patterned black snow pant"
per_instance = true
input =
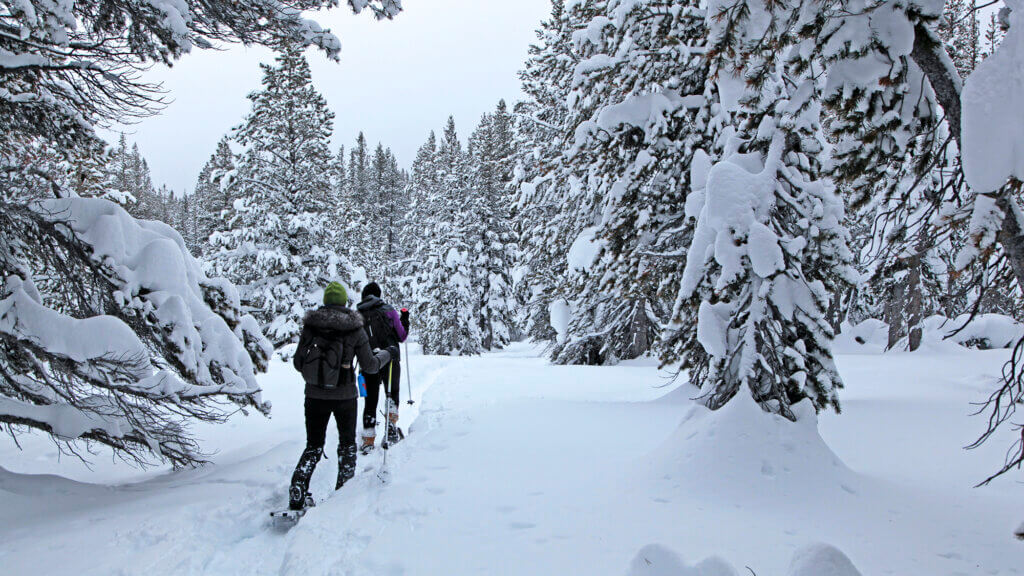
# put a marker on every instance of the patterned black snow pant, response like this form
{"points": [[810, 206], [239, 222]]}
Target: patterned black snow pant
{"points": [[318, 415]]}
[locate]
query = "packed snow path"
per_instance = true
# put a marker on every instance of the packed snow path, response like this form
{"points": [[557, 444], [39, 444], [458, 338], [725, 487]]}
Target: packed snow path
{"points": [[513, 466]]}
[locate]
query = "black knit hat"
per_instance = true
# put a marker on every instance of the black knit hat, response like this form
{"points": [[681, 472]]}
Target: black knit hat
{"points": [[371, 289]]}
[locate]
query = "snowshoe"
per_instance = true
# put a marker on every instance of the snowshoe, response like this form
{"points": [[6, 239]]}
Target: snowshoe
{"points": [[395, 434], [285, 519]]}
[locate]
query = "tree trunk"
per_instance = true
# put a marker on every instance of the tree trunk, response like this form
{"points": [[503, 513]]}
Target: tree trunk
{"points": [[1009, 236], [929, 54], [915, 291], [894, 314], [834, 314], [914, 305], [639, 330]]}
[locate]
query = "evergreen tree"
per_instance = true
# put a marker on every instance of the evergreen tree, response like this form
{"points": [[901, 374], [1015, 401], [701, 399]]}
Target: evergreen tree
{"points": [[215, 193], [339, 173], [424, 209], [543, 130], [492, 157], [637, 124], [278, 245], [147, 205], [448, 308], [959, 30], [119, 182], [769, 246]]}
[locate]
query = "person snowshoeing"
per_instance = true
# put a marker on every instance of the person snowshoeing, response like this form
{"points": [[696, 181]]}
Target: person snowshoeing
{"points": [[332, 336], [385, 328]]}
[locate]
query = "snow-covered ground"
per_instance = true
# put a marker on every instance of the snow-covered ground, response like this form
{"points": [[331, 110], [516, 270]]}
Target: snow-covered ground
{"points": [[513, 466]]}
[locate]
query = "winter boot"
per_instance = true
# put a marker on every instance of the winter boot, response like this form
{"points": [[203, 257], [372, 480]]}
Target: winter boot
{"points": [[298, 493], [367, 445], [346, 464]]}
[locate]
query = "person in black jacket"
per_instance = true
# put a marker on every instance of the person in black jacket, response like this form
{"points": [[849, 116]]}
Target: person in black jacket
{"points": [[386, 328], [341, 329]]}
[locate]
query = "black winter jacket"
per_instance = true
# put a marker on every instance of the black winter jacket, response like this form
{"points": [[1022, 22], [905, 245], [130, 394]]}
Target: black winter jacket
{"points": [[348, 324]]}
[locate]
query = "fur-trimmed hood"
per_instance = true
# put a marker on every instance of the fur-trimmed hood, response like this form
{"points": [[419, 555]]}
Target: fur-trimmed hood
{"points": [[334, 318]]}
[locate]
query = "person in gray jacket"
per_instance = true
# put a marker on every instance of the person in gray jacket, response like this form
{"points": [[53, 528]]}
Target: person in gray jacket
{"points": [[332, 336]]}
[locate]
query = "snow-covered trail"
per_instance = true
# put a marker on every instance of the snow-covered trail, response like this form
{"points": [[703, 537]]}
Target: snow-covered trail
{"points": [[513, 466]]}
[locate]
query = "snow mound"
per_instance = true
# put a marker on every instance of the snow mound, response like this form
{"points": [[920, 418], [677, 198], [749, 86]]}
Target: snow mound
{"points": [[870, 336], [742, 455], [812, 560], [821, 560], [657, 560], [984, 332]]}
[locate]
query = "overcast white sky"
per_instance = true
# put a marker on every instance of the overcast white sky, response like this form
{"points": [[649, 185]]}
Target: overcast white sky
{"points": [[396, 81]]}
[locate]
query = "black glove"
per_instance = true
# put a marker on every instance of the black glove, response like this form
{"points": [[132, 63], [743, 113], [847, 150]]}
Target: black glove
{"points": [[393, 352], [404, 319]]}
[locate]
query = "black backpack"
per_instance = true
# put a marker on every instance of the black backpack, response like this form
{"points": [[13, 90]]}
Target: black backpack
{"points": [[379, 328], [325, 362]]}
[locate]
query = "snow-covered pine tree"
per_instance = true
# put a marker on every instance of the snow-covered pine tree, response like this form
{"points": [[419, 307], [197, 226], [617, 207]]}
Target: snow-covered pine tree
{"points": [[214, 193], [90, 165], [959, 30], [358, 229], [278, 246], [540, 133], [418, 222], [640, 114], [339, 173], [382, 207], [147, 205], [769, 246], [120, 181], [491, 236], [188, 223], [556, 206], [449, 304]]}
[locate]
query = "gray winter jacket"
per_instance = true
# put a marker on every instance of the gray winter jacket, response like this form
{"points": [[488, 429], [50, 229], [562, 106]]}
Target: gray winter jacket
{"points": [[348, 325]]}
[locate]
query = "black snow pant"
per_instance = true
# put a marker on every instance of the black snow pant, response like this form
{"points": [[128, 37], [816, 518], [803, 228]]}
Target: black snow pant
{"points": [[374, 382], [318, 415]]}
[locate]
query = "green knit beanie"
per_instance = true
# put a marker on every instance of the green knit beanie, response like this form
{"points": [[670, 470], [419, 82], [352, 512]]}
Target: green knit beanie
{"points": [[335, 294]]}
